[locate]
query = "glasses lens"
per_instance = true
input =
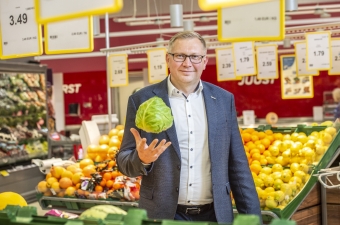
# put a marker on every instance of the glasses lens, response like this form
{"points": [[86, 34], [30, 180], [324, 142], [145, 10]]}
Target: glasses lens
{"points": [[193, 58]]}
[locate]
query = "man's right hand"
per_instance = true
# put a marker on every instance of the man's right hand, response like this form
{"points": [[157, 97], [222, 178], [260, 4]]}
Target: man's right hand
{"points": [[149, 154]]}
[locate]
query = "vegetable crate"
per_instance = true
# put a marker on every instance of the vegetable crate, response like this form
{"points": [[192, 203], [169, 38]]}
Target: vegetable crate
{"points": [[27, 215]]}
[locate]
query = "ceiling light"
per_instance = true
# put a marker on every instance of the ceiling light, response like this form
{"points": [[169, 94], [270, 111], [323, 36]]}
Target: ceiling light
{"points": [[176, 15], [188, 25], [325, 15], [318, 11], [286, 43]]}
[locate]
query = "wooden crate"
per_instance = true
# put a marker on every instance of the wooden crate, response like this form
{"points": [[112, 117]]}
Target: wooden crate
{"points": [[308, 216], [333, 195], [333, 214]]}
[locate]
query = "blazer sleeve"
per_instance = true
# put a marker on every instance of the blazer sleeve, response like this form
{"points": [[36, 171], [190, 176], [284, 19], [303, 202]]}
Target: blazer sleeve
{"points": [[128, 161], [241, 180]]}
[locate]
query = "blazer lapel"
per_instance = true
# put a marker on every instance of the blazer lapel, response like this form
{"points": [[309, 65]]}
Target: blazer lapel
{"points": [[211, 110], [161, 91]]}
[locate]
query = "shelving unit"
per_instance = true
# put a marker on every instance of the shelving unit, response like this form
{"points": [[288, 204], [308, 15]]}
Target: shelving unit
{"points": [[328, 105]]}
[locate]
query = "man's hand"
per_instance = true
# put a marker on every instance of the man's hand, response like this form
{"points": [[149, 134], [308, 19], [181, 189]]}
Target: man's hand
{"points": [[149, 154]]}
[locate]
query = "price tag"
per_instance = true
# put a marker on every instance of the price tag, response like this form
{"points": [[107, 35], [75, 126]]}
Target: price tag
{"points": [[157, 67], [208, 5], [225, 64], [301, 64], [55, 10], [318, 51], [69, 36], [335, 45], [264, 22], [118, 70], [267, 67], [244, 58], [20, 33]]}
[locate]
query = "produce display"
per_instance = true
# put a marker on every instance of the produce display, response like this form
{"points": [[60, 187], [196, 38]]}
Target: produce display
{"points": [[281, 163], [22, 115], [95, 176]]}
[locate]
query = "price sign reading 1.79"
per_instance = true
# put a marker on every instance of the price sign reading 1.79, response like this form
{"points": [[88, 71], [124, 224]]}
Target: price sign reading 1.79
{"points": [[21, 19], [20, 33], [318, 45], [244, 58]]}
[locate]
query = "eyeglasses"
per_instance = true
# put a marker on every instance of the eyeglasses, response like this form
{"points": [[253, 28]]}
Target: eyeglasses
{"points": [[181, 57]]}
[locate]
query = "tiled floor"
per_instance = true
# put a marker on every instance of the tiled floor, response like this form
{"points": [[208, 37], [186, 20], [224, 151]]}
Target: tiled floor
{"points": [[40, 211]]}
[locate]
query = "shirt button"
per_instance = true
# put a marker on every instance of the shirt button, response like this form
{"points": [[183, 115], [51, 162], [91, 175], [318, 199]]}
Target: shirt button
{"points": [[189, 201], [190, 132], [191, 149], [177, 189], [190, 167], [179, 167], [189, 115], [187, 100], [190, 185], [177, 92]]}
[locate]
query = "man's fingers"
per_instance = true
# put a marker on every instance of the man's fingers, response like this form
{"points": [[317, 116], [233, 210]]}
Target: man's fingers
{"points": [[141, 145], [135, 134], [153, 144]]}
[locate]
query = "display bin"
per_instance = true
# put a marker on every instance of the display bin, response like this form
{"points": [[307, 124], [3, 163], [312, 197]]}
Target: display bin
{"points": [[77, 205], [27, 215]]}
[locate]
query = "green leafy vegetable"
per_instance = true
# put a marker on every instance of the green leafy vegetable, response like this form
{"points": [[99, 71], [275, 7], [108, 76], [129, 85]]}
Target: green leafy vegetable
{"points": [[154, 116]]}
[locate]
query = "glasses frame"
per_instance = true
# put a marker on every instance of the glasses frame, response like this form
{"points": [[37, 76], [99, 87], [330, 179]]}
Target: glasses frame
{"points": [[186, 56]]}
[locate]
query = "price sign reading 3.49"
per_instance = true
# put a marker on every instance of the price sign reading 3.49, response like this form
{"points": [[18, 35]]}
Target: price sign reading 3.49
{"points": [[318, 51], [157, 66], [20, 34], [118, 70], [267, 62], [225, 64], [244, 58]]}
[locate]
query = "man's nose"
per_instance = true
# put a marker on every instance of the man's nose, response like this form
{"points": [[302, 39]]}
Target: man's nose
{"points": [[187, 61]]}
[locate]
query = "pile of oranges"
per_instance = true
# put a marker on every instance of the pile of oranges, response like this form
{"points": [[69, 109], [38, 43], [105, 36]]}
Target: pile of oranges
{"points": [[100, 159]]}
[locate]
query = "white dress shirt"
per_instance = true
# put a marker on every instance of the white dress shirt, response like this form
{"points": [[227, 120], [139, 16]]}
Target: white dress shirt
{"points": [[192, 132]]}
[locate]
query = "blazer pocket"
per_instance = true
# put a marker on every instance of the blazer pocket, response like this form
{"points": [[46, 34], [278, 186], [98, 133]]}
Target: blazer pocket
{"points": [[146, 192], [228, 188]]}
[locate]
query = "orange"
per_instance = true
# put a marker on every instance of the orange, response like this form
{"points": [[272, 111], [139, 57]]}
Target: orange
{"points": [[120, 135], [85, 162], [48, 176], [246, 148], [72, 168], [278, 136], [67, 173], [98, 188], [251, 146], [261, 147], [261, 135], [256, 168], [104, 139], [248, 130], [70, 191], [77, 186], [50, 181], [114, 142], [107, 176], [65, 182], [256, 156], [42, 186], [111, 164], [246, 137], [103, 149], [56, 187], [103, 182], [117, 186], [115, 174], [92, 148], [254, 138], [113, 132], [269, 132], [120, 127], [254, 150], [266, 142], [76, 178], [266, 153], [88, 170], [109, 183], [56, 171]]}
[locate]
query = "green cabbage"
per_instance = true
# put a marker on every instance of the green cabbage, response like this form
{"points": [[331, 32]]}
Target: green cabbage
{"points": [[154, 116]]}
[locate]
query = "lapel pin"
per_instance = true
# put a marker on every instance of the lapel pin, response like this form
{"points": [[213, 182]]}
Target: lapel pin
{"points": [[212, 97]]}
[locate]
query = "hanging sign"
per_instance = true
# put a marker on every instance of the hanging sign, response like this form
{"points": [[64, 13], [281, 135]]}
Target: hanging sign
{"points": [[319, 55], [157, 67], [244, 58], [264, 22], [267, 67], [292, 86], [225, 64], [55, 10], [335, 45], [20, 34], [301, 64], [69, 36], [118, 70], [207, 5]]}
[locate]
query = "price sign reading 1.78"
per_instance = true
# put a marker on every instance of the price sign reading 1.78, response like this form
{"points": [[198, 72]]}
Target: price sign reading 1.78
{"points": [[267, 67], [118, 70], [20, 33], [319, 56], [157, 67], [244, 58]]}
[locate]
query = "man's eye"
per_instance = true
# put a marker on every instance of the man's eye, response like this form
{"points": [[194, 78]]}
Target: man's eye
{"points": [[194, 57], [180, 56]]}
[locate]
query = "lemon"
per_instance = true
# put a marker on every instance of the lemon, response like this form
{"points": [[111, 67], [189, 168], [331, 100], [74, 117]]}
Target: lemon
{"points": [[268, 181], [330, 130], [266, 170], [271, 203], [277, 168], [11, 198], [286, 176], [279, 196], [277, 184]]}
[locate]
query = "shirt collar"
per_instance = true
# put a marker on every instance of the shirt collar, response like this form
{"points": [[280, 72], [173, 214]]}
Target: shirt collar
{"points": [[173, 91]]}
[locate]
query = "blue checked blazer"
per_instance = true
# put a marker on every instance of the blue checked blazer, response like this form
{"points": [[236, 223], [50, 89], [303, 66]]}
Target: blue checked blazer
{"points": [[229, 164]]}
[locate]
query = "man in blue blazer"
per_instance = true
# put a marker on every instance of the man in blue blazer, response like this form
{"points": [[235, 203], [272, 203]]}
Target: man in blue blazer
{"points": [[189, 170]]}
